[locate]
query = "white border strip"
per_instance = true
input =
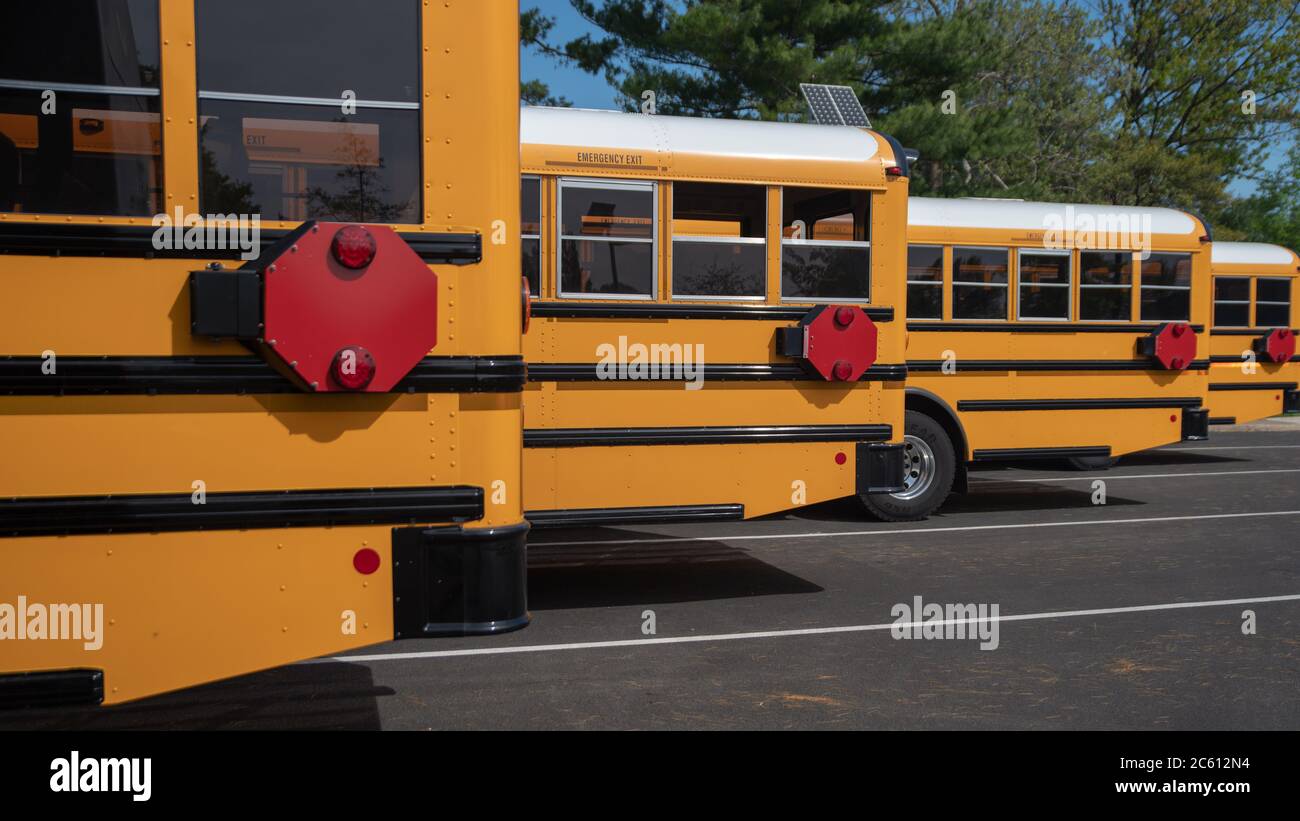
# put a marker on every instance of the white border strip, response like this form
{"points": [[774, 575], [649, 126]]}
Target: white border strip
{"points": [[810, 631]]}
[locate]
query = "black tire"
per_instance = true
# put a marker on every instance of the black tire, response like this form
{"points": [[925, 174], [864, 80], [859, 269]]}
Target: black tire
{"points": [[1086, 463], [905, 507]]}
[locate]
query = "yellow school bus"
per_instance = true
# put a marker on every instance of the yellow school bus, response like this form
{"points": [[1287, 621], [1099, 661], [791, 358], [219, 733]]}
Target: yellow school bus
{"points": [[1254, 368], [260, 365], [1048, 330], [717, 316]]}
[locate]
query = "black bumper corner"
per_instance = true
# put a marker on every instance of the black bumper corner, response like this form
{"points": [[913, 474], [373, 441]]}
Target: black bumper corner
{"points": [[455, 581], [51, 688], [1196, 424], [1291, 401], [880, 467]]}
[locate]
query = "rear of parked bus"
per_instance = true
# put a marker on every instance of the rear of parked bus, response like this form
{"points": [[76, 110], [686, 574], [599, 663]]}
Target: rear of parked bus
{"points": [[260, 366], [1254, 368], [1045, 330], [717, 316]]}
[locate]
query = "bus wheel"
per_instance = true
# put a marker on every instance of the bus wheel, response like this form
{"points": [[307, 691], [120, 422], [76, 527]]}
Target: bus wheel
{"points": [[930, 463], [1092, 462]]}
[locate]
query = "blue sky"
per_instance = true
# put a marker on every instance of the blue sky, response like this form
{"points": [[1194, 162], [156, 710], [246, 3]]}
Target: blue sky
{"points": [[582, 89]]}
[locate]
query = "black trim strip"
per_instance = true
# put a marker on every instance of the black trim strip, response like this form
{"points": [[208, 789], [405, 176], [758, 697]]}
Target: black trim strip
{"points": [[1237, 360], [61, 515], [1223, 420], [973, 405], [578, 372], [1253, 386], [1102, 451], [653, 310], [582, 517], [153, 375], [51, 688], [927, 365], [1244, 331], [47, 239], [1040, 328], [720, 435]]}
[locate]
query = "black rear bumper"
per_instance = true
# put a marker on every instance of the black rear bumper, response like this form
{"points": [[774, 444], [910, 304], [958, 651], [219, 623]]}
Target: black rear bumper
{"points": [[455, 581]]}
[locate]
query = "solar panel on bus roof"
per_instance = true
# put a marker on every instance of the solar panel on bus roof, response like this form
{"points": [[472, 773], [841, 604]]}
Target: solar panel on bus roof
{"points": [[849, 107], [821, 104]]}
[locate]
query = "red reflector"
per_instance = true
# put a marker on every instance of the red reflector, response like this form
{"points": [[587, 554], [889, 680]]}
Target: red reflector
{"points": [[366, 561], [528, 305], [842, 370], [353, 368], [353, 247], [844, 316], [841, 458], [894, 171]]}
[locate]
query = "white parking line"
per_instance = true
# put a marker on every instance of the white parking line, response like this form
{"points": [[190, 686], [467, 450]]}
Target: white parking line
{"points": [[1109, 475], [808, 631], [830, 534], [1227, 447]]}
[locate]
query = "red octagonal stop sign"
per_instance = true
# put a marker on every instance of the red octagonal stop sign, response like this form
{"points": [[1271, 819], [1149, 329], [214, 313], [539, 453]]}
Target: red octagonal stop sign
{"points": [[381, 316], [1173, 345], [841, 342], [1278, 345]]}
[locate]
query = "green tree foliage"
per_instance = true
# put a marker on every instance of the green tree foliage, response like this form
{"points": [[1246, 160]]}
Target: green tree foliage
{"points": [[1120, 101]]}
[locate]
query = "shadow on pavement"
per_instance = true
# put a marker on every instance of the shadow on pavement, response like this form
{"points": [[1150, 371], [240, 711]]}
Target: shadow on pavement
{"points": [[325, 696]]}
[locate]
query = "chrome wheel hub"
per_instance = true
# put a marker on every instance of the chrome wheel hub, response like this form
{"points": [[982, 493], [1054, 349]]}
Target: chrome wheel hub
{"points": [[918, 466]]}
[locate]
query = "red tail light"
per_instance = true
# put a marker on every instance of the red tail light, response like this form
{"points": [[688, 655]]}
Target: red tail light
{"points": [[353, 368], [353, 247]]}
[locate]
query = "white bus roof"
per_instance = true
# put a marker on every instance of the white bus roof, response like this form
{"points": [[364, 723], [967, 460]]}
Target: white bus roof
{"points": [[1250, 253], [1017, 215]]}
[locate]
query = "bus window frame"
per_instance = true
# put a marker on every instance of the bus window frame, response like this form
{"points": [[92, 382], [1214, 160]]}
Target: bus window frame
{"points": [[1134, 292], [1068, 286], [1255, 301], [781, 242], [560, 236], [541, 221], [673, 238], [1248, 301], [416, 105], [1142, 286], [940, 283], [954, 283]]}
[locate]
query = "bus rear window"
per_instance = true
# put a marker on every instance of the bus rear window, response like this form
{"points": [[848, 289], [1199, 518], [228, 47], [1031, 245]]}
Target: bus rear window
{"points": [[293, 137], [1105, 286], [826, 248], [1272, 302], [1231, 302], [80, 129], [1167, 288]]}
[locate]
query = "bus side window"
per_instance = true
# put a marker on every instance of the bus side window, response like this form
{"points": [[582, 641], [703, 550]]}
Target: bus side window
{"points": [[607, 239], [924, 282], [825, 246], [719, 240], [80, 103], [288, 135], [1105, 286], [1167, 288], [1045, 281], [530, 229], [1273, 302], [979, 283], [1231, 302]]}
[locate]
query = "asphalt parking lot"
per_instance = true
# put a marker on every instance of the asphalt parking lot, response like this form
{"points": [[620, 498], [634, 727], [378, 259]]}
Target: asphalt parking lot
{"points": [[1123, 615]]}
